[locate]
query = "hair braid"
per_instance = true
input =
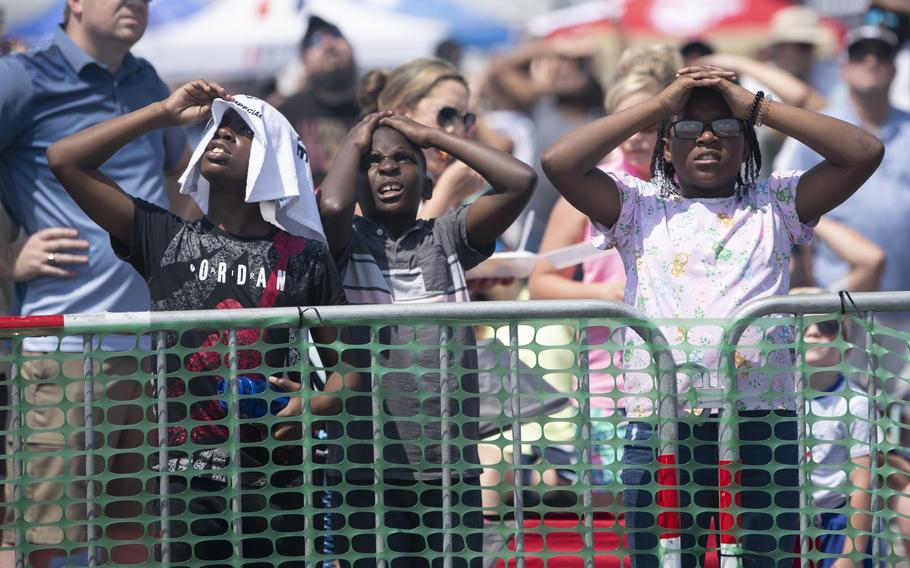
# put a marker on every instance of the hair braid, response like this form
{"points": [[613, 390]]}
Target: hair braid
{"points": [[752, 165], [662, 172]]}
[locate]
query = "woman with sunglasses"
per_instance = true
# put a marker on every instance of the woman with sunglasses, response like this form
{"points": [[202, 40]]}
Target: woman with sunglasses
{"points": [[434, 93], [698, 240]]}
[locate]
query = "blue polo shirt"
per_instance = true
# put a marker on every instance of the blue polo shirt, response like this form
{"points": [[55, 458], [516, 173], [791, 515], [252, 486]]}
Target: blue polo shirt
{"points": [[46, 94], [880, 209]]}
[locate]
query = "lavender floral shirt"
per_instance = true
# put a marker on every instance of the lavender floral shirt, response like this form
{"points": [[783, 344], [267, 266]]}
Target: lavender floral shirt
{"points": [[704, 258]]}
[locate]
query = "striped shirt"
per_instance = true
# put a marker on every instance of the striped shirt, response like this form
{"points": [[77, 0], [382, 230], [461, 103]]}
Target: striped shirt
{"points": [[427, 263]]}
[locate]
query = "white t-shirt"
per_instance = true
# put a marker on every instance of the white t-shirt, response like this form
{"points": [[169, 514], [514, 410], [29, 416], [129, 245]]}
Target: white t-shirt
{"points": [[848, 436]]}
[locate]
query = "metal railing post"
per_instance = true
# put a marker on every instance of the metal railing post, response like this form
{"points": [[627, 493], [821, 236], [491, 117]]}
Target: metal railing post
{"points": [[236, 491], [584, 388], [517, 481], [800, 385], [872, 415], [88, 385], [16, 432], [378, 454], [446, 470], [163, 450]]}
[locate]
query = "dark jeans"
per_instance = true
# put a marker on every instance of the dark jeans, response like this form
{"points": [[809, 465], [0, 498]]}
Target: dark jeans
{"points": [[411, 526], [767, 446]]}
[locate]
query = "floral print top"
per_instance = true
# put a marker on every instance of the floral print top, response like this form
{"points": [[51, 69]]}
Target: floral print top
{"points": [[704, 258]]}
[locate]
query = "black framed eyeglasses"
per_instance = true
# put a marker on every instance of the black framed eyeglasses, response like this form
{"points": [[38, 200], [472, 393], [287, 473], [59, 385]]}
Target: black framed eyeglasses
{"points": [[692, 129], [449, 118]]}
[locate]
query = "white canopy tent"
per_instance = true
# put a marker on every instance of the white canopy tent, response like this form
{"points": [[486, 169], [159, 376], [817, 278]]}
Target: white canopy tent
{"points": [[246, 39]]}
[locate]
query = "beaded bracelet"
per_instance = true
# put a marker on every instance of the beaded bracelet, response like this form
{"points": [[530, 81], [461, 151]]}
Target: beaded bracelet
{"points": [[753, 110], [763, 108]]}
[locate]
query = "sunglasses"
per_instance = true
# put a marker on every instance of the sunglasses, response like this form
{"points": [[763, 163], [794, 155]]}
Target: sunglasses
{"points": [[828, 328], [692, 129], [319, 37], [879, 50], [449, 118]]}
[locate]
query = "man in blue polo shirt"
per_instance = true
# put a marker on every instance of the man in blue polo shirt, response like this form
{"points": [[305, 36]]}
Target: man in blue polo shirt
{"points": [[83, 76]]}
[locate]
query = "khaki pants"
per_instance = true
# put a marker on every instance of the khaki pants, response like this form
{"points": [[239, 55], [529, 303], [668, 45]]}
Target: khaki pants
{"points": [[54, 470]]}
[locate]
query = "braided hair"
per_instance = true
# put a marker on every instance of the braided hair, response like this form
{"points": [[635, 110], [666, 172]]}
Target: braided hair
{"points": [[664, 174]]}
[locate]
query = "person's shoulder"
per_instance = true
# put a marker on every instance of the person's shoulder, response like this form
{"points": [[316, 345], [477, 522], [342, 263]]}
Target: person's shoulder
{"points": [[146, 70], [298, 103], [631, 185], [17, 72]]}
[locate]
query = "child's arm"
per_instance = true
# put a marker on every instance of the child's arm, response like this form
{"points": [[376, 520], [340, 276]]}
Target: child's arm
{"points": [[790, 88], [571, 162], [512, 180], [565, 227], [337, 380], [860, 501], [76, 159], [850, 153], [338, 191]]}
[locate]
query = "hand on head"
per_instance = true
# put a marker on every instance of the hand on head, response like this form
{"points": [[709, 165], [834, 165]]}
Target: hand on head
{"points": [[414, 131], [193, 102], [676, 95], [361, 135]]}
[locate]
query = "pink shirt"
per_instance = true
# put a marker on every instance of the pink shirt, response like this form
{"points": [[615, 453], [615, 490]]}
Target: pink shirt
{"points": [[703, 258]]}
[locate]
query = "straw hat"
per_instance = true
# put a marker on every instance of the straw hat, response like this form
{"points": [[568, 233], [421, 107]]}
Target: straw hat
{"points": [[799, 24]]}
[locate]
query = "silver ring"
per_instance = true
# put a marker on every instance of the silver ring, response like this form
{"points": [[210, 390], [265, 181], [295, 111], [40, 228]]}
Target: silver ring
{"points": [[51, 258]]}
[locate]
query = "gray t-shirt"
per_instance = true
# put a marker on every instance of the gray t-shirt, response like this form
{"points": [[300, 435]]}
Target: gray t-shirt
{"points": [[425, 264]]}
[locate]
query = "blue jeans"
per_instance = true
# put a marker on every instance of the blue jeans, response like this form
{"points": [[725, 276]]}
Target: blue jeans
{"points": [[700, 489]]}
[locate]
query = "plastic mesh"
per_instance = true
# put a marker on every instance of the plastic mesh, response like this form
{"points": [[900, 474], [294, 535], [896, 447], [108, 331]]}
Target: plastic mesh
{"points": [[550, 442]]}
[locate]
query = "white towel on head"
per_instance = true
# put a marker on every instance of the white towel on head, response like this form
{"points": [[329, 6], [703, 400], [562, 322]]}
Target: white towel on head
{"points": [[279, 176]]}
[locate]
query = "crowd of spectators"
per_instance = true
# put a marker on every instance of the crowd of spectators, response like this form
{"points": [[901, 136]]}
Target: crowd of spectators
{"points": [[55, 259]]}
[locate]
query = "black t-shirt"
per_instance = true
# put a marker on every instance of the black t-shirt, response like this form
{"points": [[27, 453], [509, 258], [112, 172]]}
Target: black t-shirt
{"points": [[193, 265], [321, 127]]}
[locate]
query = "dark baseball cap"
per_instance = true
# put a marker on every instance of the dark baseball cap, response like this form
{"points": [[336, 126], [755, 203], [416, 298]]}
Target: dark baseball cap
{"points": [[317, 25], [871, 32]]}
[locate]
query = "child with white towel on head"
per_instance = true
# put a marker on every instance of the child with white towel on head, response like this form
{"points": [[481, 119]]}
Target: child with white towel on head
{"points": [[260, 244]]}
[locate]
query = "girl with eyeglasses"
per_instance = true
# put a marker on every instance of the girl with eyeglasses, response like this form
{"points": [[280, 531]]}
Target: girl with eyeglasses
{"points": [[434, 93], [700, 238]]}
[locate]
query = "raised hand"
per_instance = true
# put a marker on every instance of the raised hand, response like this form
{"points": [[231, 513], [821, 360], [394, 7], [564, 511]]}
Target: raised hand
{"points": [[361, 135], [737, 98], [414, 131], [675, 96], [193, 102]]}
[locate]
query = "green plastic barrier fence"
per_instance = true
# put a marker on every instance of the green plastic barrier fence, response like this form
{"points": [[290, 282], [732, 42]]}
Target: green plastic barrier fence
{"points": [[564, 434]]}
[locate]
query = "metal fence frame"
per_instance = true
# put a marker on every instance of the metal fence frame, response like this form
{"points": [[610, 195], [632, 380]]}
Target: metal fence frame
{"points": [[495, 314], [841, 303]]}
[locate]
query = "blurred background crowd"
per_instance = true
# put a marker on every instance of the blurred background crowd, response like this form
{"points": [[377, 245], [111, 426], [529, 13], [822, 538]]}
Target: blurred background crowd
{"points": [[537, 69], [533, 70]]}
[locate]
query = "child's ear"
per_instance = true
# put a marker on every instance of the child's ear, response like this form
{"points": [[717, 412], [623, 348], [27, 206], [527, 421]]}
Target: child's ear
{"points": [[427, 191], [666, 144]]}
